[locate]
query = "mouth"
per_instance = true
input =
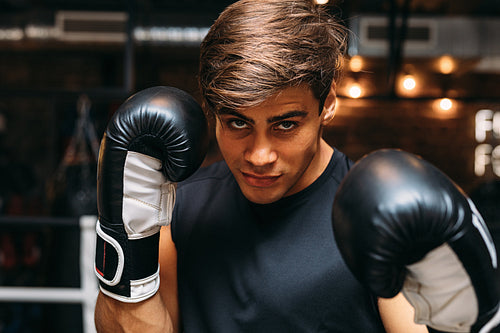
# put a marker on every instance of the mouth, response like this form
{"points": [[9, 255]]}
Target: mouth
{"points": [[259, 180]]}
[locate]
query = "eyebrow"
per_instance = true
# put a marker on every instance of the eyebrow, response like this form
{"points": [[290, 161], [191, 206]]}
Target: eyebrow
{"points": [[284, 116], [287, 115], [236, 114]]}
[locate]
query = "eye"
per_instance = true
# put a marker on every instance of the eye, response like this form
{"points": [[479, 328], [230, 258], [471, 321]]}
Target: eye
{"points": [[238, 124], [286, 125]]}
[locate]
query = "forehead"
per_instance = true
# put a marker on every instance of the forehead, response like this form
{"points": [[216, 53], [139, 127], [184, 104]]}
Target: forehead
{"points": [[300, 98]]}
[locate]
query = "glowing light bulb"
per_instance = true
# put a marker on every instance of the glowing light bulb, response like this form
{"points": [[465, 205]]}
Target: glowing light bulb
{"points": [[356, 63], [446, 64], [445, 104], [321, 2], [409, 82], [355, 90]]}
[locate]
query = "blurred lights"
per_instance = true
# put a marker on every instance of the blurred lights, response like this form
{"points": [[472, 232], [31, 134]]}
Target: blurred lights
{"points": [[444, 108], [409, 82], [355, 90], [487, 121], [141, 34], [487, 154], [445, 104], [41, 32], [170, 34], [13, 34], [356, 63], [446, 64], [321, 2]]}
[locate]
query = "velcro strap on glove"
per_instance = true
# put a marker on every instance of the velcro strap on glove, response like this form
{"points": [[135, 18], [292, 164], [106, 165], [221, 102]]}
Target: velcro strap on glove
{"points": [[127, 278], [127, 247]]}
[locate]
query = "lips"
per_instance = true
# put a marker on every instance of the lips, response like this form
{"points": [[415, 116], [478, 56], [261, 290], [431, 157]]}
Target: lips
{"points": [[259, 180]]}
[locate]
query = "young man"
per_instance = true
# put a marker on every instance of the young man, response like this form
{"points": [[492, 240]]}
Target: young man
{"points": [[250, 247]]}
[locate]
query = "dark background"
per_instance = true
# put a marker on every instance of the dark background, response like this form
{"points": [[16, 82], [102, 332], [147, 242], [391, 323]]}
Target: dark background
{"points": [[46, 73]]}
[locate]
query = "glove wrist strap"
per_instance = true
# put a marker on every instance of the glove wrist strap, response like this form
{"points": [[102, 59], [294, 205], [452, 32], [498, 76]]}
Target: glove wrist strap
{"points": [[140, 290], [127, 270]]}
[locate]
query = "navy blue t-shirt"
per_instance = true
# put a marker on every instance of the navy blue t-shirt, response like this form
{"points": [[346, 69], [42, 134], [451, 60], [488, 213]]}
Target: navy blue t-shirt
{"points": [[246, 267]]}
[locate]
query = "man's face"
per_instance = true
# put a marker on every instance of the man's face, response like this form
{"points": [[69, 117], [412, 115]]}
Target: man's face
{"points": [[275, 149]]}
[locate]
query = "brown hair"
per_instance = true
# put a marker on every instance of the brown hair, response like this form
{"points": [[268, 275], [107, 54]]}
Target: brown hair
{"points": [[257, 48]]}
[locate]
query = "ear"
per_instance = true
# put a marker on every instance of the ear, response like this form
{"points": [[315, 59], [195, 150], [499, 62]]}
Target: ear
{"points": [[329, 107]]}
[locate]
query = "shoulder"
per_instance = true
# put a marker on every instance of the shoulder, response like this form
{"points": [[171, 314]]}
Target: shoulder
{"points": [[205, 185], [206, 176], [200, 195]]}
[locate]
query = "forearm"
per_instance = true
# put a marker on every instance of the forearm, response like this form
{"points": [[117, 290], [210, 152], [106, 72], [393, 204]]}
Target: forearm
{"points": [[114, 316], [398, 315]]}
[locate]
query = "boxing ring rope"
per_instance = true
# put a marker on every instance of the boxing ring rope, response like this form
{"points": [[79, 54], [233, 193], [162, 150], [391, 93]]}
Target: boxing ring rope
{"points": [[85, 295]]}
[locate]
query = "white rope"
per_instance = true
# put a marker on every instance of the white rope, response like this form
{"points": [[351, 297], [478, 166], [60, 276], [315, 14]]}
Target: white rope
{"points": [[88, 280], [42, 295], [85, 295]]}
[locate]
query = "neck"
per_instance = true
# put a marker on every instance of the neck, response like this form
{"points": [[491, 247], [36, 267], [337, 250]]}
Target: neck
{"points": [[325, 154], [318, 166]]}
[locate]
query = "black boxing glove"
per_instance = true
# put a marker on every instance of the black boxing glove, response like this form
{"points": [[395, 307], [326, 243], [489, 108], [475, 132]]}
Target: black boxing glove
{"points": [[156, 138], [402, 225]]}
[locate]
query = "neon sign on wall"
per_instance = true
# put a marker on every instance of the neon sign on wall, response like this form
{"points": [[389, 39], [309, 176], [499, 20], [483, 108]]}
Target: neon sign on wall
{"points": [[487, 153]]}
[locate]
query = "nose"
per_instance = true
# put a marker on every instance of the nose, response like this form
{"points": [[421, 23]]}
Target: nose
{"points": [[260, 151]]}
